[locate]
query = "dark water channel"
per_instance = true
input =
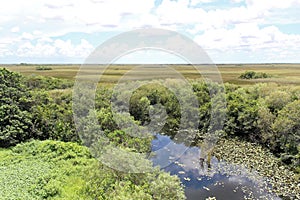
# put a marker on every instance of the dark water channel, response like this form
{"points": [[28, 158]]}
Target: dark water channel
{"points": [[221, 180]]}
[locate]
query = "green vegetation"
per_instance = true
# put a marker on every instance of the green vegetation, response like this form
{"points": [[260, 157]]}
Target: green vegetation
{"points": [[58, 167], [59, 170], [266, 114], [44, 170], [261, 161], [281, 73], [254, 75], [33, 114], [43, 68], [47, 83], [15, 115], [43, 156]]}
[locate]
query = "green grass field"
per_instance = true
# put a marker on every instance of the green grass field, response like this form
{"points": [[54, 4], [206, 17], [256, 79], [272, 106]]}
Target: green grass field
{"points": [[281, 73]]}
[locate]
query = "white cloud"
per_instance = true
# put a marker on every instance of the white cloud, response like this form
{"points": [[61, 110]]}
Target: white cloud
{"points": [[248, 37], [58, 17], [254, 11], [172, 12], [27, 36], [237, 1], [150, 57], [4, 48], [237, 29], [28, 27], [271, 4], [101, 15], [15, 29], [57, 48], [201, 20], [196, 2], [29, 50]]}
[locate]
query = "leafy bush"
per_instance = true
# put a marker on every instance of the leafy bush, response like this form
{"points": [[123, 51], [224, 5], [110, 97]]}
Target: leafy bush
{"points": [[39, 114], [287, 127], [52, 150], [53, 116], [43, 68], [163, 187], [119, 137], [254, 75], [15, 114], [269, 115], [277, 99], [115, 185], [155, 94], [242, 114]]}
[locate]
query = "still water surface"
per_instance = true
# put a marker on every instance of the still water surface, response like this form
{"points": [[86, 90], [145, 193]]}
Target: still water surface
{"points": [[222, 180]]}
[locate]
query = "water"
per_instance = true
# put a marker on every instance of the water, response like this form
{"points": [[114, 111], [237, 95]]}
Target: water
{"points": [[221, 180]]}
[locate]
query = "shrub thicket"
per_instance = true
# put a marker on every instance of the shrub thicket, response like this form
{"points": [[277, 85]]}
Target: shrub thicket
{"points": [[43, 68], [254, 75]]}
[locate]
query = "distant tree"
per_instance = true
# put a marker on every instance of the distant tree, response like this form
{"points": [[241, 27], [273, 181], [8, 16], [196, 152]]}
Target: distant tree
{"points": [[43, 68], [248, 75], [254, 75]]}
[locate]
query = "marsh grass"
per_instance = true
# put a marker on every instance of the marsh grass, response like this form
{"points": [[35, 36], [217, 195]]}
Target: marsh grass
{"points": [[281, 73]]}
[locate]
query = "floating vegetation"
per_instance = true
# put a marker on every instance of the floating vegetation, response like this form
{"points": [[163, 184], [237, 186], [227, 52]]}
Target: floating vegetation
{"points": [[278, 178], [219, 178], [206, 188], [211, 198]]}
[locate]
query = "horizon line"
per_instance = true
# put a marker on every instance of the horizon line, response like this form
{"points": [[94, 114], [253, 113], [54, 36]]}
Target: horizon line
{"points": [[244, 63]]}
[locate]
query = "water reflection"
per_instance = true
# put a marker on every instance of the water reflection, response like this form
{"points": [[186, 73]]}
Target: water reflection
{"points": [[202, 179]]}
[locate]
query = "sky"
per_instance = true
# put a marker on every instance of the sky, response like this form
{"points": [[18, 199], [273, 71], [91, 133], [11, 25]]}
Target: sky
{"points": [[230, 31]]}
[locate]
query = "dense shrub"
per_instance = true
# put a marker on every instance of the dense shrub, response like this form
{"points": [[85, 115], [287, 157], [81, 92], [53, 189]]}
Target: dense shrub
{"points": [[39, 114], [52, 150], [287, 127], [43, 68], [119, 137], [15, 105], [277, 99], [156, 185], [242, 114], [53, 116], [146, 96], [254, 75]]}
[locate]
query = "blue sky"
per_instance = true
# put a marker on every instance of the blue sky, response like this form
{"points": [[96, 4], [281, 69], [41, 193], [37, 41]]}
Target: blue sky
{"points": [[230, 31]]}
